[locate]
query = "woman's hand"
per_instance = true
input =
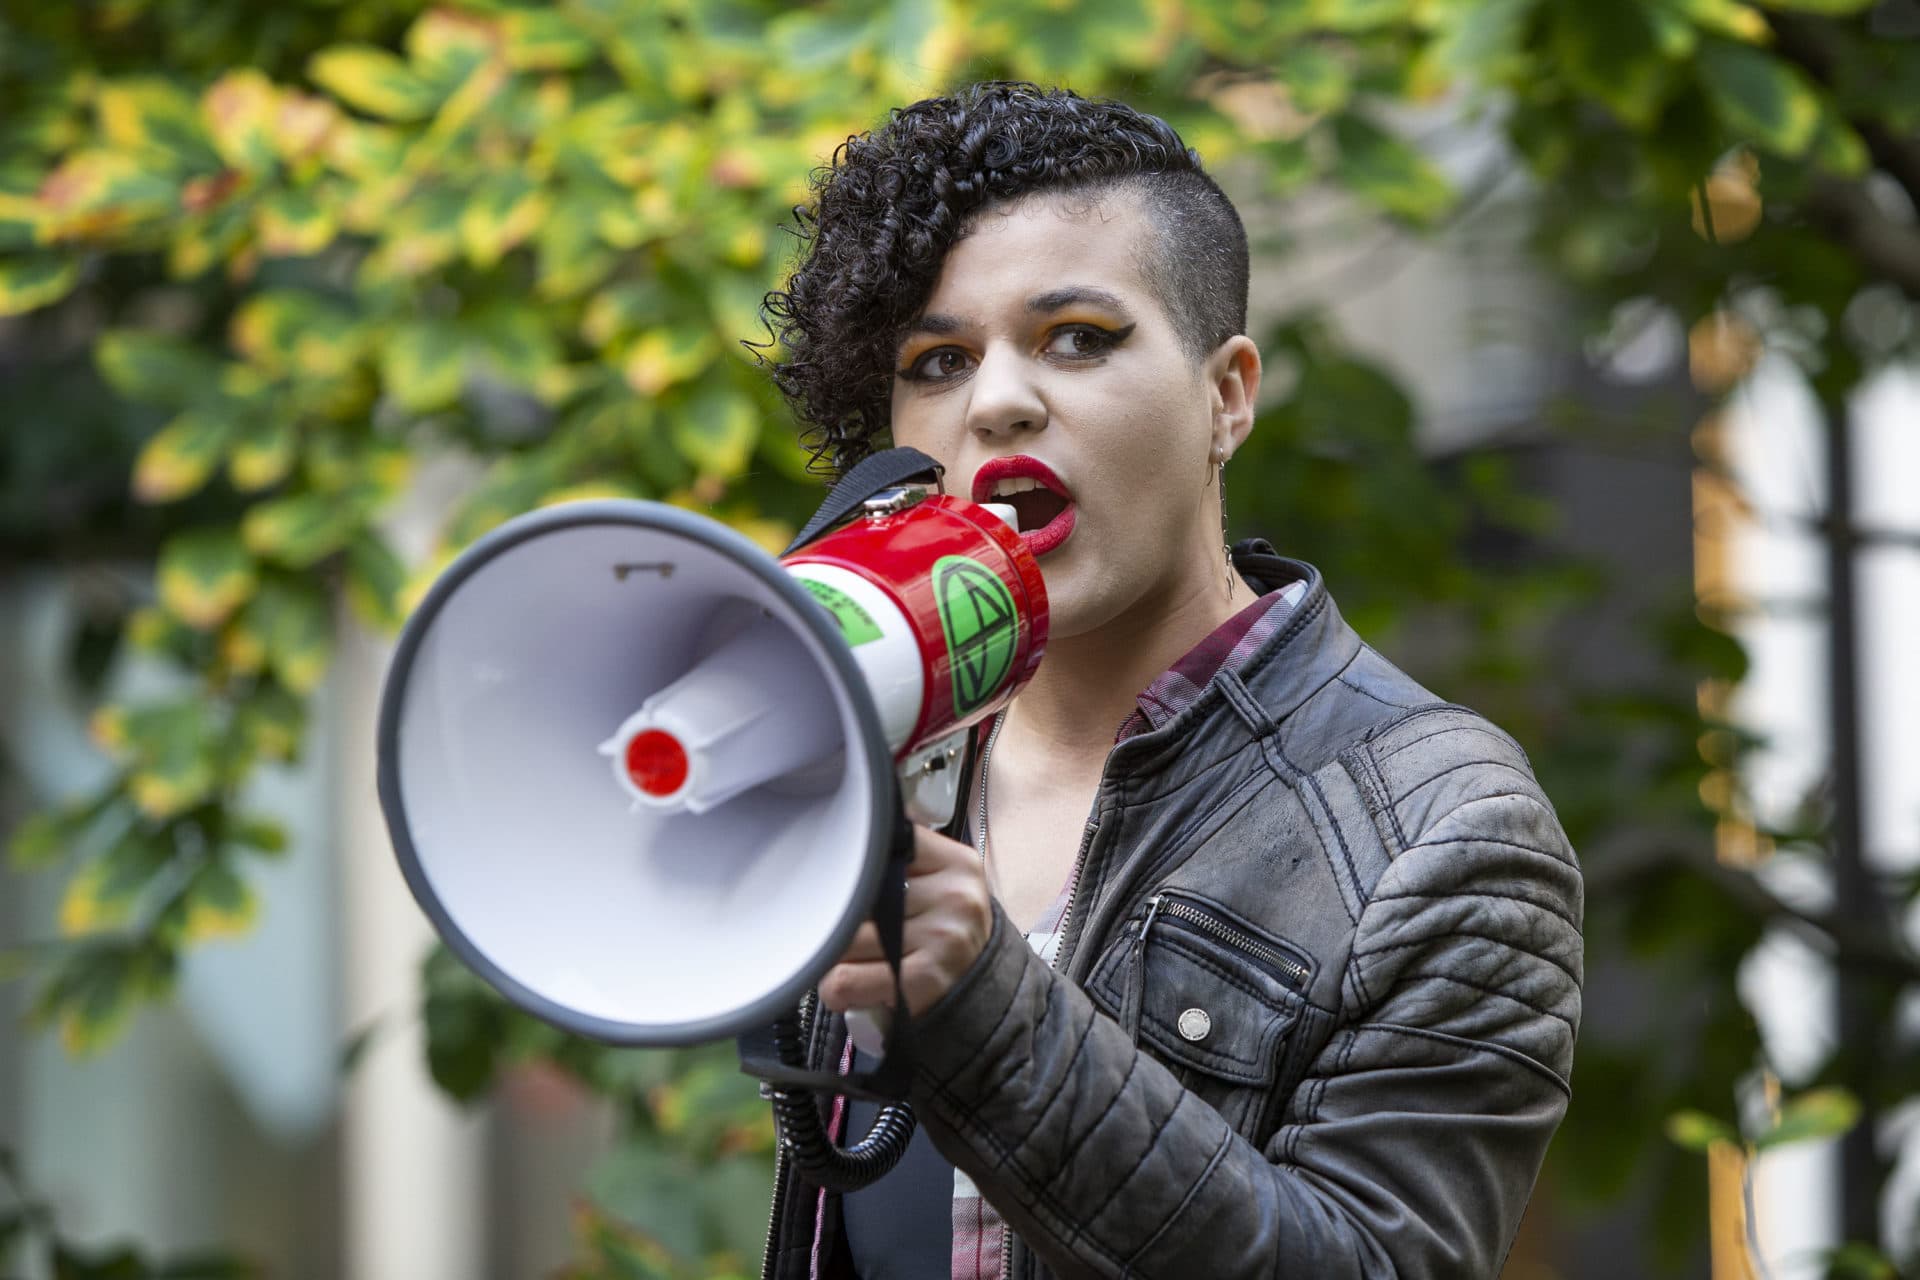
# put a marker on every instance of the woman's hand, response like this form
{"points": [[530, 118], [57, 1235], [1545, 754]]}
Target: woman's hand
{"points": [[948, 919]]}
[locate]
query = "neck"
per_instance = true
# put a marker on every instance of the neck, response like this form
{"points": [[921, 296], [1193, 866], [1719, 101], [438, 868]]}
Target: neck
{"points": [[1087, 684]]}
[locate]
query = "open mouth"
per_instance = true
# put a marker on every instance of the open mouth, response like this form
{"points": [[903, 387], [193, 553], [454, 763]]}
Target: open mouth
{"points": [[1037, 507], [1040, 500]]}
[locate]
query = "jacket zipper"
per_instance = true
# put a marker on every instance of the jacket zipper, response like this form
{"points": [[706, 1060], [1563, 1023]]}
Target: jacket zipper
{"points": [[1073, 885], [1066, 918], [773, 1214], [1290, 971]]}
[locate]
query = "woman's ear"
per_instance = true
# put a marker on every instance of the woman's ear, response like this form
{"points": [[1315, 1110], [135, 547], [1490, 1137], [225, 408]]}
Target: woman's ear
{"points": [[1233, 373]]}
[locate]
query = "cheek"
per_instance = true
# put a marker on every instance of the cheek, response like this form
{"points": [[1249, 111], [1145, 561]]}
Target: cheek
{"points": [[910, 424], [1143, 448]]}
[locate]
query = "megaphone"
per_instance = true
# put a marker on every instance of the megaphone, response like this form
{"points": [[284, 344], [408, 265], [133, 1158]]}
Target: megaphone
{"points": [[646, 779]]}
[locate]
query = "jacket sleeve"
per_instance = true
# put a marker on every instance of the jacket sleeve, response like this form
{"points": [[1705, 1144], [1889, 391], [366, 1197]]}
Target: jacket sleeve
{"points": [[1409, 1148]]}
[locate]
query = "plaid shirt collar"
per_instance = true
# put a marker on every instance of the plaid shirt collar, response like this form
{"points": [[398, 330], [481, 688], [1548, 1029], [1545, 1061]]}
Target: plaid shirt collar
{"points": [[1225, 648]]}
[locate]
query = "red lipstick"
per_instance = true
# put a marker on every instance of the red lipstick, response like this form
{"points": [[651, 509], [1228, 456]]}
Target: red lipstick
{"points": [[1019, 465]]}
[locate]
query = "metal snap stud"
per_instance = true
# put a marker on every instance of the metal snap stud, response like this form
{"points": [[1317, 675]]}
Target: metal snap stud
{"points": [[1194, 1024]]}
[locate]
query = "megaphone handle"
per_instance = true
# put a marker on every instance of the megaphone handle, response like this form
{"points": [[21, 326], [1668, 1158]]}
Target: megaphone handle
{"points": [[815, 1155], [889, 918], [781, 1062]]}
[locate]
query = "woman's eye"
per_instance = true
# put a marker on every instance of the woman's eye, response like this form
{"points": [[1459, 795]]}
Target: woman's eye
{"points": [[936, 365], [1081, 341]]}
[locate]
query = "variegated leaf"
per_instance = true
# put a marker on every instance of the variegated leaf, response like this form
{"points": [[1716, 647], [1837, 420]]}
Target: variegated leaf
{"points": [[422, 366], [374, 81], [178, 459], [545, 40], [154, 368], [34, 280], [170, 747], [218, 904], [238, 111], [716, 428], [297, 530], [294, 222], [158, 121], [205, 576], [376, 580], [263, 454], [662, 358], [290, 621]]}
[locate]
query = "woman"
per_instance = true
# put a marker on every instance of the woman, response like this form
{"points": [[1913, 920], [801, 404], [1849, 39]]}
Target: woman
{"points": [[1246, 955]]}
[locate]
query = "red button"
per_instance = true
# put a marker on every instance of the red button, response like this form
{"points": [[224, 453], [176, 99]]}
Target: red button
{"points": [[656, 762]]}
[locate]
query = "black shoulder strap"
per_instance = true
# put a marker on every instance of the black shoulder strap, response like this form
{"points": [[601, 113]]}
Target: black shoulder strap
{"points": [[869, 476]]}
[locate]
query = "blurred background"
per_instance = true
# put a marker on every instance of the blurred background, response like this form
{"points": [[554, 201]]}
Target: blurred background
{"points": [[1592, 388]]}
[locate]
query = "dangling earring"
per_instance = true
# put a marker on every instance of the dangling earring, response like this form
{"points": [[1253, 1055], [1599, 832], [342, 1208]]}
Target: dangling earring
{"points": [[1220, 478]]}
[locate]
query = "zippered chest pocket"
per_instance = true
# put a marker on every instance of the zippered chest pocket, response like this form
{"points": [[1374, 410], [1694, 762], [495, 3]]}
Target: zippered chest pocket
{"points": [[1209, 995]]}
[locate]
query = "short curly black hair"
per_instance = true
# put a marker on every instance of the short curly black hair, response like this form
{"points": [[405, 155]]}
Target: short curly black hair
{"points": [[894, 201]]}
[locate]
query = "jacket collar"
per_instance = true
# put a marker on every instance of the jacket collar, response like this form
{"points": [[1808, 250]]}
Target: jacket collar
{"points": [[1309, 651]]}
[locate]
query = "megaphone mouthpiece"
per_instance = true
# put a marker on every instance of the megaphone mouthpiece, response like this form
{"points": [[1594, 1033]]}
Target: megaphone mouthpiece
{"points": [[740, 716]]}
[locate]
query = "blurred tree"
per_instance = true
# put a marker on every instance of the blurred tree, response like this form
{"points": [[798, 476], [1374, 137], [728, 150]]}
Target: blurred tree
{"points": [[265, 259]]}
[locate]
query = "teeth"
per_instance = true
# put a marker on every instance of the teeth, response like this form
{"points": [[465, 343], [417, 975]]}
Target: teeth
{"points": [[1014, 484]]}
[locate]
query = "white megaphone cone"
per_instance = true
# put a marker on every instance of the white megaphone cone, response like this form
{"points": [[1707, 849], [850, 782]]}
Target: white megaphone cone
{"points": [[762, 719]]}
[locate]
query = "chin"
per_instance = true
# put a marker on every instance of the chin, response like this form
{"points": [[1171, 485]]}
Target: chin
{"points": [[1074, 611], [1130, 589]]}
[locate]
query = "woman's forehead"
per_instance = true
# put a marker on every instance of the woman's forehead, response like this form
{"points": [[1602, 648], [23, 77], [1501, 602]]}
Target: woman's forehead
{"points": [[1045, 243]]}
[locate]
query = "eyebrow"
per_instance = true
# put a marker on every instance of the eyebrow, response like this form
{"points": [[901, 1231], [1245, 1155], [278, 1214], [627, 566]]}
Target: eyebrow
{"points": [[941, 324], [936, 323], [1074, 295]]}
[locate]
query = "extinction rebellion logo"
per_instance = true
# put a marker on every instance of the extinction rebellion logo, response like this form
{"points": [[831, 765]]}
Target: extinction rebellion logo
{"points": [[976, 612]]}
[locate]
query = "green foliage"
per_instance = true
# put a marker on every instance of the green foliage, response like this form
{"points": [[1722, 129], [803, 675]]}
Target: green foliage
{"points": [[28, 1229], [1816, 1114], [1696, 1130], [1859, 1262], [615, 1251], [1813, 1115], [1760, 97], [307, 245], [540, 233], [684, 1191]]}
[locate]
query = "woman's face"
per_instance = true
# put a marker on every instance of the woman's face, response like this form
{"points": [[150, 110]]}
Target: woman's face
{"points": [[1042, 340]]}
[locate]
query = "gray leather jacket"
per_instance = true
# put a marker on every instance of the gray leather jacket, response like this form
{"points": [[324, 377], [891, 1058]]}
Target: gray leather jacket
{"points": [[1315, 1008]]}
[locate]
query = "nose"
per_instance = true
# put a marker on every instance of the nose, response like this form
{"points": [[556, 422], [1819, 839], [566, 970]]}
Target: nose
{"points": [[1004, 399]]}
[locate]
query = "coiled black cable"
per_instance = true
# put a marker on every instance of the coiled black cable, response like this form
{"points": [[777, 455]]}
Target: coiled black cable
{"points": [[815, 1157]]}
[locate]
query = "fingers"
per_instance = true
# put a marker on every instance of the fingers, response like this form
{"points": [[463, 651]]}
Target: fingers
{"points": [[949, 916], [938, 916], [933, 853], [865, 945], [924, 977], [858, 986]]}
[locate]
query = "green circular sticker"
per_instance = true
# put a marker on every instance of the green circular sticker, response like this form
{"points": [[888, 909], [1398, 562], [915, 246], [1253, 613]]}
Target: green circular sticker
{"points": [[981, 627]]}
